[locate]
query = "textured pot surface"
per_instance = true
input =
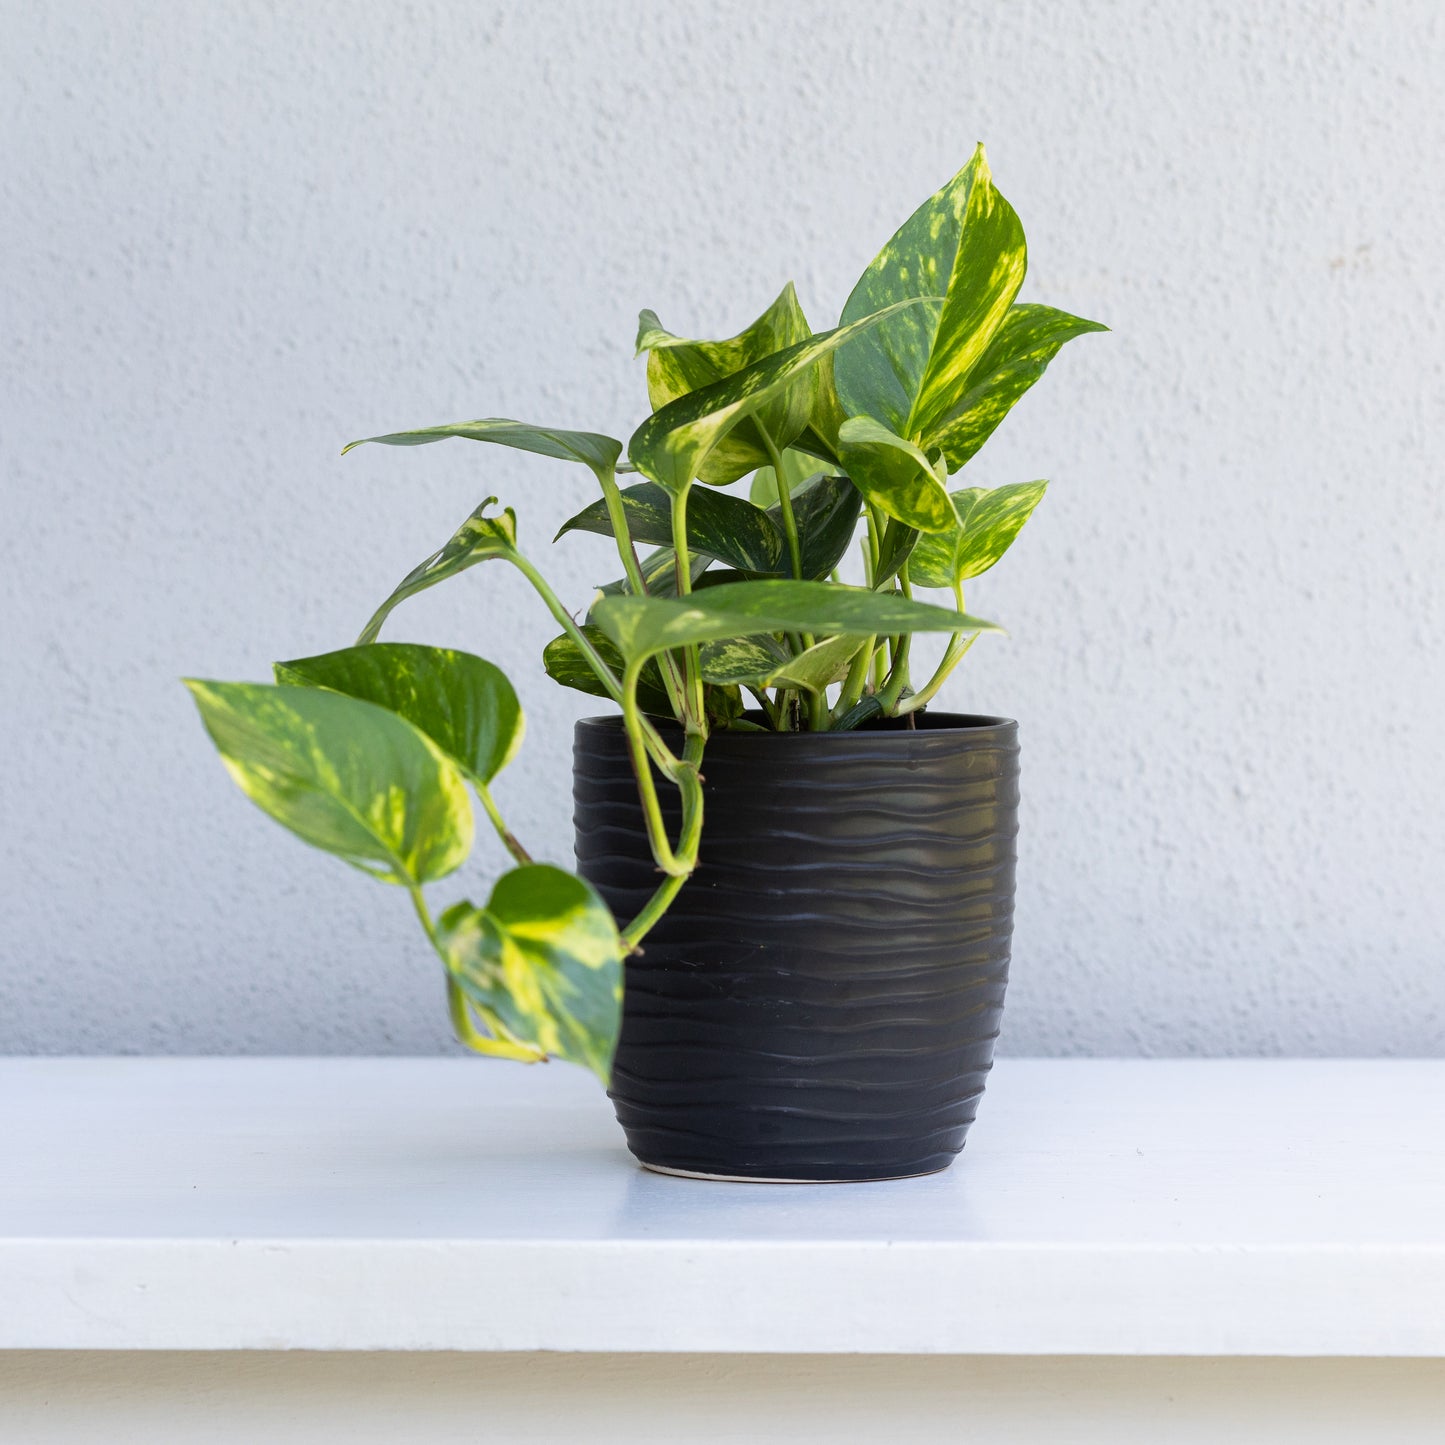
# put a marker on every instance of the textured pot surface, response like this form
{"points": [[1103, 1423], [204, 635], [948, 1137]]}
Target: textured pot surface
{"points": [[822, 999]]}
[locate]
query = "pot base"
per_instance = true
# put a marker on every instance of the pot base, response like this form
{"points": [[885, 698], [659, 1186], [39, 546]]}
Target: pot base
{"points": [[755, 1179]]}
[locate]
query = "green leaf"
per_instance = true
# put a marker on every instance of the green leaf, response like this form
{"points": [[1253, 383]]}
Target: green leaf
{"points": [[826, 514], [894, 474], [478, 539], [673, 444], [464, 704], [676, 366], [541, 963], [564, 663], [798, 467], [344, 774], [1021, 349], [723, 526], [964, 244], [762, 662], [643, 626], [895, 547], [588, 447], [985, 525], [659, 572]]}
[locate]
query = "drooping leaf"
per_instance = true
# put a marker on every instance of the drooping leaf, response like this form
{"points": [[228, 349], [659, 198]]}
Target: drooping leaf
{"points": [[643, 626], [986, 523], [1026, 341], [820, 437], [590, 448], [677, 366], [343, 774], [463, 703], [719, 524], [964, 244], [826, 514], [478, 539], [542, 963], [673, 444], [894, 474], [563, 660]]}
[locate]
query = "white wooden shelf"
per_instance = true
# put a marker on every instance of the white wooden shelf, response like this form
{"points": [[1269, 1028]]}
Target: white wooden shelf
{"points": [[1101, 1207]]}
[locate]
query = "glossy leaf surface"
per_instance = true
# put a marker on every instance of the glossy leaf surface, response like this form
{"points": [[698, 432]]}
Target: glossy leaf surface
{"points": [[673, 444], [826, 512], [1026, 341], [677, 366], [479, 539], [590, 448], [642, 626], [464, 704], [343, 774], [985, 525], [564, 663], [762, 662], [543, 961], [894, 474], [964, 245], [721, 525]]}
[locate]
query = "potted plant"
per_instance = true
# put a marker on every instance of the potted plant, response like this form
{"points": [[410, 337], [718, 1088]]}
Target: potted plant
{"points": [[794, 891]]}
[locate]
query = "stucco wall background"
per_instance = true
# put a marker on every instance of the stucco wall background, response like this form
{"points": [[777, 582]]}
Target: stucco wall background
{"points": [[236, 235]]}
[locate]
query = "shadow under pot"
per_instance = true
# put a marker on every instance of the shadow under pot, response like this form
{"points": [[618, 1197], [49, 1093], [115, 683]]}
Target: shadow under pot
{"points": [[821, 1001]]}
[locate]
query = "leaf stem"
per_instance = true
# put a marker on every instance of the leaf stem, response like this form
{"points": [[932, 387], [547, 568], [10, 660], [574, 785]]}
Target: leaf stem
{"points": [[509, 839], [687, 845], [693, 711]]}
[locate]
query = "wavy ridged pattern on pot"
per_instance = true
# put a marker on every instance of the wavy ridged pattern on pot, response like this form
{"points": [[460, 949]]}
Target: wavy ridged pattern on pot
{"points": [[822, 999]]}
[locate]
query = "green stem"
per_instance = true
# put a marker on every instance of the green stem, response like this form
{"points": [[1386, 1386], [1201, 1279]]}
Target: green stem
{"points": [[662, 851], [856, 680], [457, 1005], [687, 846], [954, 653], [785, 504], [693, 712], [897, 677], [509, 839]]}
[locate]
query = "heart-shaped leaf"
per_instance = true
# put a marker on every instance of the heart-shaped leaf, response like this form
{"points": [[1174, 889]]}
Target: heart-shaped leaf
{"points": [[541, 964], [590, 448], [986, 523], [673, 444], [564, 663], [964, 244], [677, 366], [344, 774], [718, 524], [1026, 341], [478, 539], [643, 626], [894, 474], [464, 704]]}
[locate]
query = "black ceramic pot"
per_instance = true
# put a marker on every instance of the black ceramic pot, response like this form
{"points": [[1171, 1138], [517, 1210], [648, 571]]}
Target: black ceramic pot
{"points": [[821, 1001]]}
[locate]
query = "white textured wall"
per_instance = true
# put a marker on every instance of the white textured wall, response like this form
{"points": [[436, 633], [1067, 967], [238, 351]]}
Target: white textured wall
{"points": [[235, 235]]}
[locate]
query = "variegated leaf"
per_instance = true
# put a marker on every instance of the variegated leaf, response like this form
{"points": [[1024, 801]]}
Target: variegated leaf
{"points": [[798, 467], [659, 573], [463, 703], [1027, 340], [677, 366], [826, 514], [564, 663], [478, 539], [541, 964], [963, 246], [592, 449], [762, 662], [344, 775], [644, 626], [742, 659], [986, 523], [718, 524], [894, 474], [673, 444]]}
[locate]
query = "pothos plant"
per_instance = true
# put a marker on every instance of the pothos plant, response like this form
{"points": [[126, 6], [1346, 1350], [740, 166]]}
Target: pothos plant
{"points": [[367, 752]]}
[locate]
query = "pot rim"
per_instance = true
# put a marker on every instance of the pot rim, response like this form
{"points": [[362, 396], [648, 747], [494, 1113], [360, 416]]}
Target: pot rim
{"points": [[932, 724]]}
